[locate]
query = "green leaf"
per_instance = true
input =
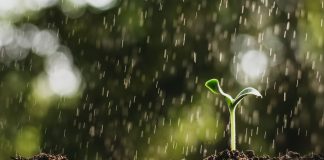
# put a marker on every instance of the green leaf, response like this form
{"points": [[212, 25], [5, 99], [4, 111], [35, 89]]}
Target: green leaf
{"points": [[214, 87], [245, 92]]}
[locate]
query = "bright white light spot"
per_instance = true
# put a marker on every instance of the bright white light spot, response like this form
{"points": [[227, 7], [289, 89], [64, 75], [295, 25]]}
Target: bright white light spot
{"points": [[101, 4], [64, 81], [30, 5], [63, 78], [45, 43], [6, 33], [36, 5], [254, 63], [7, 5], [25, 34]]}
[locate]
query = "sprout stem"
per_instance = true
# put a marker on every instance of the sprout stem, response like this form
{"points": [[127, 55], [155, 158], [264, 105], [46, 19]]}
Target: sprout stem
{"points": [[214, 87], [232, 123]]}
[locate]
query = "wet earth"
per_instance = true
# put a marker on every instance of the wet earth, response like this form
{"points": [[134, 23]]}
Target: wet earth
{"points": [[249, 155], [224, 155], [42, 156]]}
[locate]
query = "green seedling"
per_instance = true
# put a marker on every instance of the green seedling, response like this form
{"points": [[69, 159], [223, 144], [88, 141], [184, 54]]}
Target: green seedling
{"points": [[214, 87]]}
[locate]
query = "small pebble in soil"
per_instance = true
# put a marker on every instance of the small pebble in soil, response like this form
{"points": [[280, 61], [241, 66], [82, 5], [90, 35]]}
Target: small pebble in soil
{"points": [[42, 156]]}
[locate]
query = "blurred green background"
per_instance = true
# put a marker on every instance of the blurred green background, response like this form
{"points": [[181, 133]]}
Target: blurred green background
{"points": [[124, 79]]}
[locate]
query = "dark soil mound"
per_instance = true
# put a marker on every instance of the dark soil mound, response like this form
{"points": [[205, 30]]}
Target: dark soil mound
{"points": [[42, 156], [249, 155]]}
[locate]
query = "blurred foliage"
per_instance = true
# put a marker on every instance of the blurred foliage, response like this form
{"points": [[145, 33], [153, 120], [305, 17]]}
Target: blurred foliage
{"points": [[143, 65]]}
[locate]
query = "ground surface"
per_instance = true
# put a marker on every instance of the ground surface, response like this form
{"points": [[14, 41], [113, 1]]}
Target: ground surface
{"points": [[224, 155], [249, 155], [42, 156]]}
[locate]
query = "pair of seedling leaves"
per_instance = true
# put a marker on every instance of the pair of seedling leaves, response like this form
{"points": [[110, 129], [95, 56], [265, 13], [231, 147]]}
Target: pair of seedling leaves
{"points": [[213, 86]]}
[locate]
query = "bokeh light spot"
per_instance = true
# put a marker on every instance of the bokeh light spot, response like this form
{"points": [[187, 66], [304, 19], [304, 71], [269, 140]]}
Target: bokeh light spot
{"points": [[254, 63], [28, 141], [64, 81], [101, 4]]}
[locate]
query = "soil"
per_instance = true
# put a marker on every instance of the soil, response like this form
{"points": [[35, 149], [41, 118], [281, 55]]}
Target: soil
{"points": [[249, 155], [223, 155], [42, 156]]}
